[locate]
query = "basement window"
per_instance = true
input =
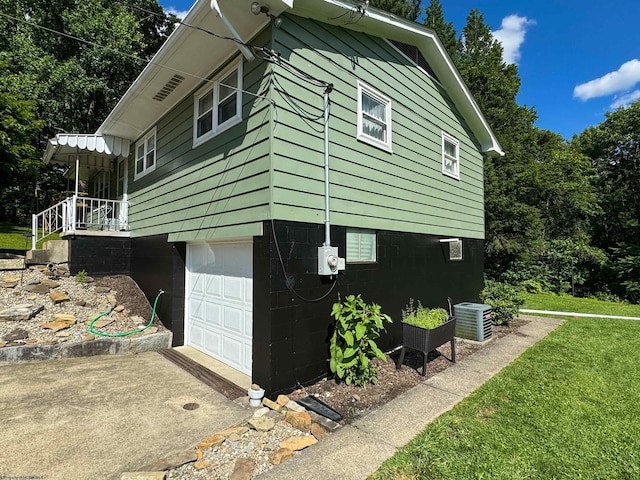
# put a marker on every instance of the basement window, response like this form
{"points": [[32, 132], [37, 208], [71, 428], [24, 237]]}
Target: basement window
{"points": [[146, 154], [218, 105], [455, 250], [361, 246]]}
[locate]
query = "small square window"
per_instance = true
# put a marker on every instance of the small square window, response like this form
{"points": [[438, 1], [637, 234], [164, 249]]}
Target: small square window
{"points": [[374, 117], [146, 154], [450, 156], [218, 105], [455, 250], [361, 246]]}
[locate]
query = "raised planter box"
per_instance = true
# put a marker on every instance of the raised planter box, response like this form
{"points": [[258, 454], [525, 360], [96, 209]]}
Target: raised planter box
{"points": [[424, 341]]}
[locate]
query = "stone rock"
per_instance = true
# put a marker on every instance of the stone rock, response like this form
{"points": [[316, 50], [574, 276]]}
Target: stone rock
{"points": [[318, 431], [101, 289], [262, 424], [119, 308], [282, 400], [37, 288], [21, 312], [172, 461], [232, 430], [201, 464], [298, 443], [143, 476], [81, 303], [88, 338], [150, 330], [58, 297], [324, 421], [112, 299], [47, 282], [260, 412], [55, 326], [5, 284], [103, 322], [211, 441], [11, 278], [64, 317], [138, 320], [234, 437], [243, 469], [271, 404], [294, 407], [31, 298], [2, 344], [17, 334], [63, 334], [299, 420], [280, 455]]}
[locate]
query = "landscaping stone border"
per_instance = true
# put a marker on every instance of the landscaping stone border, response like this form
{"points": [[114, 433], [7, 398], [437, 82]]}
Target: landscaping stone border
{"points": [[99, 346]]}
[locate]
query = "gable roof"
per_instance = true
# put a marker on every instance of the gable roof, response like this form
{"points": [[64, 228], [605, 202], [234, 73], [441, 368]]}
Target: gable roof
{"points": [[188, 54]]}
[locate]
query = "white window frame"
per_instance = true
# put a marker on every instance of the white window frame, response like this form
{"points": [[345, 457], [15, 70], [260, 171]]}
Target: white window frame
{"points": [[360, 233], [386, 101], [214, 86], [144, 143], [446, 157]]}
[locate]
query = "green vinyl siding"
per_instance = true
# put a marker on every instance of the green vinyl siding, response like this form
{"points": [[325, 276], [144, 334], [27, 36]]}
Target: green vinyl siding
{"points": [[218, 188], [370, 188]]}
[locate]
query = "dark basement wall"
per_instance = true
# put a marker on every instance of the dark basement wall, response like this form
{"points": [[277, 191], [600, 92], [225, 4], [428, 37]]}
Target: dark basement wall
{"points": [[291, 336], [151, 261]]}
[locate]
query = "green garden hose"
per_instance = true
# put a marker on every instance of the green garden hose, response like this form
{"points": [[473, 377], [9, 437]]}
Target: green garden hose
{"points": [[130, 332]]}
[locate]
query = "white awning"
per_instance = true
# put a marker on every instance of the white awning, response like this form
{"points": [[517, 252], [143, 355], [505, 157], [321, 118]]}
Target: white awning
{"points": [[93, 151]]}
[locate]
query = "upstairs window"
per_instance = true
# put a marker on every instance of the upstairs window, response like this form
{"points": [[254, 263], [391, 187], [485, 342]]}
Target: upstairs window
{"points": [[450, 156], [218, 105], [146, 154], [361, 246], [374, 117]]}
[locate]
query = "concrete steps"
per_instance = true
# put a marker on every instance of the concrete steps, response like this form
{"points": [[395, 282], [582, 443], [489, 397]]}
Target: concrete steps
{"points": [[53, 251]]}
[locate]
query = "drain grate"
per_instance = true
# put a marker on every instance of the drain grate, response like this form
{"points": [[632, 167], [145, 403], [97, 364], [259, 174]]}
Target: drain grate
{"points": [[318, 406]]}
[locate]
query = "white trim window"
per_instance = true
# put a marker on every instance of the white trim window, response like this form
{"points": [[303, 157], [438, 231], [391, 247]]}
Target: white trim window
{"points": [[218, 105], [450, 156], [146, 154], [374, 117], [361, 246]]}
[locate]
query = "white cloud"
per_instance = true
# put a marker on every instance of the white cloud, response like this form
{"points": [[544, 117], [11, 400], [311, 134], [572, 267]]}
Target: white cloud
{"points": [[178, 13], [623, 79], [625, 100], [511, 35]]}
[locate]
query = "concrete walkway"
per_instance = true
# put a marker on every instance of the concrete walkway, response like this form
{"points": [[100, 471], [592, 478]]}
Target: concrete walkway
{"points": [[356, 451], [94, 418]]}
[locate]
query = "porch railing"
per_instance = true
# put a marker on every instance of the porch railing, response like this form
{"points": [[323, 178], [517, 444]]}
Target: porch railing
{"points": [[80, 213]]}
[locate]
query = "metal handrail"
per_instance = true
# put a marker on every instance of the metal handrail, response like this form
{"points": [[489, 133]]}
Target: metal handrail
{"points": [[80, 213]]}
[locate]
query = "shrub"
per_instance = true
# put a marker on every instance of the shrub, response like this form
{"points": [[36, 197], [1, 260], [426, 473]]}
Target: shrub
{"points": [[505, 301], [532, 286], [424, 317], [353, 345]]}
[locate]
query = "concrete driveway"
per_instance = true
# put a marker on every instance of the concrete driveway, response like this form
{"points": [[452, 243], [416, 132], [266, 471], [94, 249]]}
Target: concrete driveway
{"points": [[96, 417]]}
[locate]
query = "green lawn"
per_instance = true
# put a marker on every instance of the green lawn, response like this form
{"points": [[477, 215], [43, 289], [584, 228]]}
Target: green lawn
{"points": [[566, 303], [12, 238], [565, 409]]}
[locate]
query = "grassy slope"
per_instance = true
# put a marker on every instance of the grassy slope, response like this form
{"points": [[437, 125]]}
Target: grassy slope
{"points": [[567, 408], [12, 238]]}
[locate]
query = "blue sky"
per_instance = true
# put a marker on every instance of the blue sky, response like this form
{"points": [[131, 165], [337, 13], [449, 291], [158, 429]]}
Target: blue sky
{"points": [[577, 59]]}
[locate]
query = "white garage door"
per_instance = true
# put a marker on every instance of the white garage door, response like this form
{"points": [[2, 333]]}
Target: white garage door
{"points": [[219, 303]]}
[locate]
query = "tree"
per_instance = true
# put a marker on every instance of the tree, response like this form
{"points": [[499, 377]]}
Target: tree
{"points": [[434, 19], [404, 8]]}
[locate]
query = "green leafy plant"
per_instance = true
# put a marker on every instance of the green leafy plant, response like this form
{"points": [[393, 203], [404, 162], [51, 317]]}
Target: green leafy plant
{"points": [[81, 277], [505, 301], [352, 346], [423, 317]]}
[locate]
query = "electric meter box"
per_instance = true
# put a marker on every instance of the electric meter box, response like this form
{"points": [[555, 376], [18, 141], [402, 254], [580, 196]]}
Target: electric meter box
{"points": [[329, 263]]}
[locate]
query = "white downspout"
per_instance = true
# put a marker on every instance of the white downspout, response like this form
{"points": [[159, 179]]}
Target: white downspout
{"points": [[74, 206], [245, 50]]}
